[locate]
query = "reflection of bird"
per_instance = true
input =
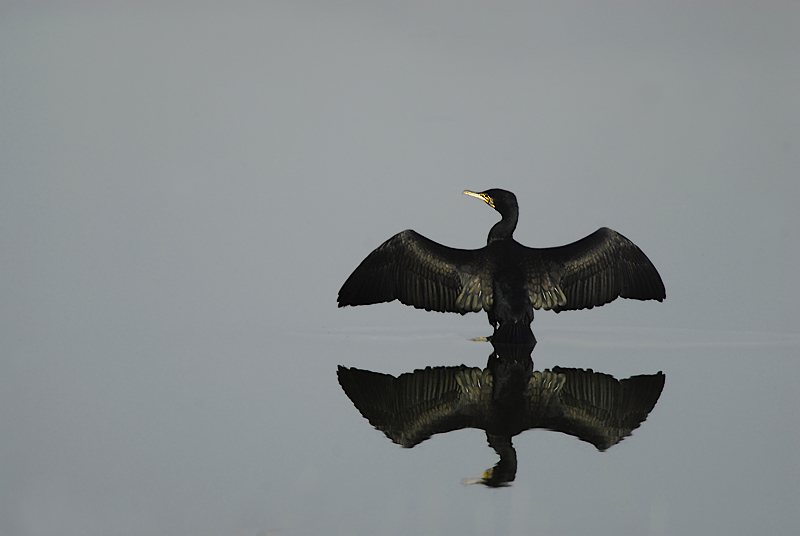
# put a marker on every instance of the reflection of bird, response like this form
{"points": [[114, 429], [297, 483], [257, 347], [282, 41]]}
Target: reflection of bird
{"points": [[504, 399], [504, 278]]}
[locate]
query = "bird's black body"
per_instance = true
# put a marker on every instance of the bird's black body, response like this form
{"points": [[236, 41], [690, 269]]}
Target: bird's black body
{"points": [[504, 278]]}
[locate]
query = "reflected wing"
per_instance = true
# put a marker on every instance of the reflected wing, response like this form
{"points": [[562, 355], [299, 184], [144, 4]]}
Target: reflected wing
{"points": [[419, 272], [412, 407], [591, 272], [595, 407]]}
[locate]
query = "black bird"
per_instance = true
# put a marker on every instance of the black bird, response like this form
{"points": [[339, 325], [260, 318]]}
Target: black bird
{"points": [[504, 278], [505, 399]]}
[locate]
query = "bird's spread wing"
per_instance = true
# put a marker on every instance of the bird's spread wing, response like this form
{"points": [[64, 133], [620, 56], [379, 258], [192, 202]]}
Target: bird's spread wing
{"points": [[419, 272], [412, 407], [594, 407], [591, 272]]}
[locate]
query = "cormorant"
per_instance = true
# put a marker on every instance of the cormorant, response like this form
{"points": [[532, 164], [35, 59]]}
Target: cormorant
{"points": [[504, 278]]}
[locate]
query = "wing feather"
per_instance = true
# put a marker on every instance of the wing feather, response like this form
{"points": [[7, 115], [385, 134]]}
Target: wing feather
{"points": [[590, 272], [420, 272]]}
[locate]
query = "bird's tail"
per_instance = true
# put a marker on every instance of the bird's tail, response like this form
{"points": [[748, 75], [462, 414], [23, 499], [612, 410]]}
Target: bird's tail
{"points": [[514, 333]]}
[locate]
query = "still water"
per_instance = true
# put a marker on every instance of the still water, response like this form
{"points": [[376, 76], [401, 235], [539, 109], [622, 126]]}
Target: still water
{"points": [[246, 432]]}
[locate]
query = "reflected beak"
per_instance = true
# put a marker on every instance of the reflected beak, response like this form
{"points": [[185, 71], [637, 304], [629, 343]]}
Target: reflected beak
{"points": [[467, 481], [489, 201]]}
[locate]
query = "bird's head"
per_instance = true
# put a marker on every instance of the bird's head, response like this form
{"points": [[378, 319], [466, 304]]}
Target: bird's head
{"points": [[503, 202], [498, 199]]}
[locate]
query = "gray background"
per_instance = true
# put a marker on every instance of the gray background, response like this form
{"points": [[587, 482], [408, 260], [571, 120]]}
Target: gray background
{"points": [[185, 185]]}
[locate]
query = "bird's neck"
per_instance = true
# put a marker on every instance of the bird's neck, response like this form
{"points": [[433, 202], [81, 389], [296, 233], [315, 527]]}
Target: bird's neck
{"points": [[504, 229]]}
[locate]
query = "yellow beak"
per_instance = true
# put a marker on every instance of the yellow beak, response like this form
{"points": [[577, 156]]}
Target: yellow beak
{"points": [[489, 201]]}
